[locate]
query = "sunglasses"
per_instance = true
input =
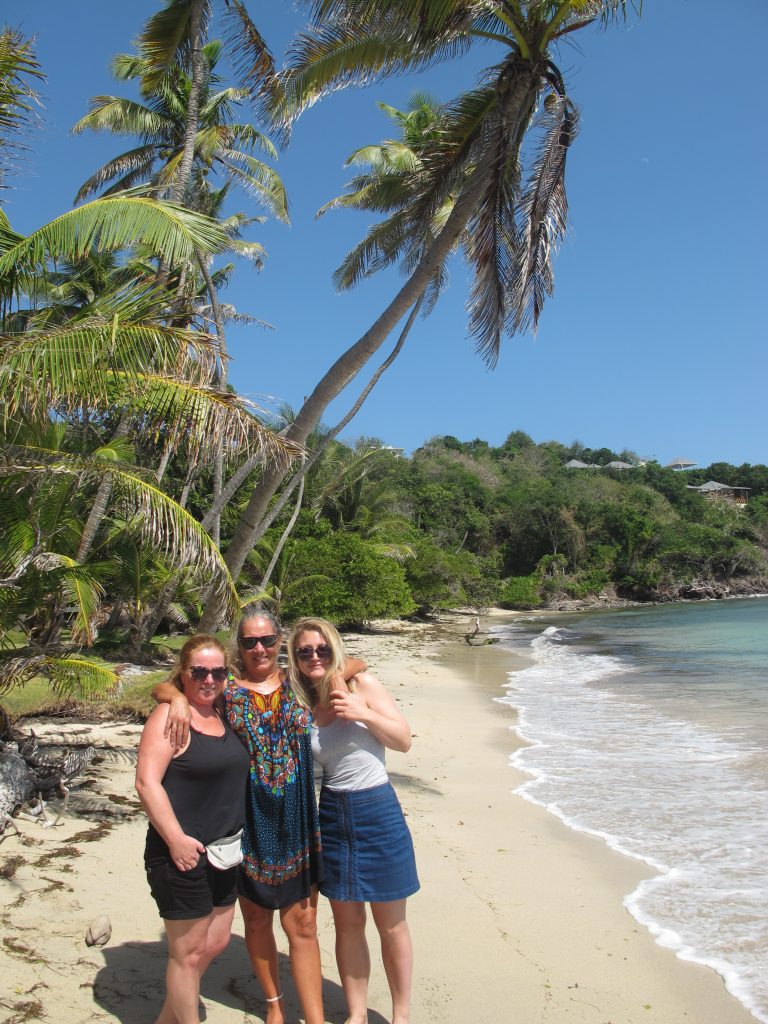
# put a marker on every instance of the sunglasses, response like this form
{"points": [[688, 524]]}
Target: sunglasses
{"points": [[305, 653], [249, 642], [200, 674]]}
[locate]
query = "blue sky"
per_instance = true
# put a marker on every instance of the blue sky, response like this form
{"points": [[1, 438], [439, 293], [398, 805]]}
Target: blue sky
{"points": [[654, 339]]}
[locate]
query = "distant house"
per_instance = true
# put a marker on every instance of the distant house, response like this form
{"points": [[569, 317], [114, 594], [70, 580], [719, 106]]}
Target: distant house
{"points": [[397, 452], [616, 464], [719, 492]]}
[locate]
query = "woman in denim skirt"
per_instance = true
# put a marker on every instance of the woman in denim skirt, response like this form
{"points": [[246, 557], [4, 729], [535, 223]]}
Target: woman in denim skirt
{"points": [[367, 848]]}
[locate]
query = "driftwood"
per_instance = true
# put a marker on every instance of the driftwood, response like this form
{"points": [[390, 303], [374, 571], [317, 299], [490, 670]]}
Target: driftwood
{"points": [[478, 640]]}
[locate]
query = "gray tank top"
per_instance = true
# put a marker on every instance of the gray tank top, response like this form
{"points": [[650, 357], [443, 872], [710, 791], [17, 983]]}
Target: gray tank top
{"points": [[349, 755]]}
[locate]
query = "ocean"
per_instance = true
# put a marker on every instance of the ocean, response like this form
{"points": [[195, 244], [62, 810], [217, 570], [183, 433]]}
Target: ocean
{"points": [[649, 727]]}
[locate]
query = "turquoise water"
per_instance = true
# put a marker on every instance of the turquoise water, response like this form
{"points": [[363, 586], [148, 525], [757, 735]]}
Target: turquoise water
{"points": [[649, 727]]}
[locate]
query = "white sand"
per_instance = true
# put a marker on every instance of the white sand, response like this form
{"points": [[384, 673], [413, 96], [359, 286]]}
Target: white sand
{"points": [[519, 919]]}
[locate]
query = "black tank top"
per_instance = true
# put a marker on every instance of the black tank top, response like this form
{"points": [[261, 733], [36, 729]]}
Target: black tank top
{"points": [[206, 788]]}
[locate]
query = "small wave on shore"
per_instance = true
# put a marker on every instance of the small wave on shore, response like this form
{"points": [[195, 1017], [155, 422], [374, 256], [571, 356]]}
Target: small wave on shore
{"points": [[628, 754]]}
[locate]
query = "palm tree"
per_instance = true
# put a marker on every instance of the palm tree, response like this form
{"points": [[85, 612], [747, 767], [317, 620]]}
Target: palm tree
{"points": [[70, 359], [386, 184], [221, 144], [175, 35], [511, 223]]}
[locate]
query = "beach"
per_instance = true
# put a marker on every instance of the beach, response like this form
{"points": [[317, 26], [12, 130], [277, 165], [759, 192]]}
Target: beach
{"points": [[519, 918]]}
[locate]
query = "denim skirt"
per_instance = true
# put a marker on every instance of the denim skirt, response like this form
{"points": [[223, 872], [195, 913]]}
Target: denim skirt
{"points": [[367, 848]]}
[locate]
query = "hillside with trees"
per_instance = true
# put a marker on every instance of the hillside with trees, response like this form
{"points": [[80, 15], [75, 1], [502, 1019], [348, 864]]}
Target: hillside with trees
{"points": [[465, 523]]}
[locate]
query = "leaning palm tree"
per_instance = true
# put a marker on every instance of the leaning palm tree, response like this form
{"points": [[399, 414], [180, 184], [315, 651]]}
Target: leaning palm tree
{"points": [[386, 184], [512, 220]]}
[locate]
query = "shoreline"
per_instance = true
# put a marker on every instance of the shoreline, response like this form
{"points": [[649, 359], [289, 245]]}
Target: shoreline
{"points": [[670, 987], [519, 915]]}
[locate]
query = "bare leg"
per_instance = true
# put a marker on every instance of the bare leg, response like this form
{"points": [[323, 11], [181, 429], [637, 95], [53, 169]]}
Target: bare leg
{"points": [[397, 955], [299, 922], [186, 947], [216, 939], [262, 949], [352, 957]]}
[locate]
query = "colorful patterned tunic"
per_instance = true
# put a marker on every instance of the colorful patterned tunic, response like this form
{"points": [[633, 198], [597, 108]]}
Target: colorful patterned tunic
{"points": [[281, 840]]}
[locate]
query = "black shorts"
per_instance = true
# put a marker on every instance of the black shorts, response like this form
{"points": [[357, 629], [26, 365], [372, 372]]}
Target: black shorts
{"points": [[186, 895]]}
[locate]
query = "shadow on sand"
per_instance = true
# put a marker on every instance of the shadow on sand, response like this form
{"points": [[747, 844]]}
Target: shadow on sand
{"points": [[131, 986]]}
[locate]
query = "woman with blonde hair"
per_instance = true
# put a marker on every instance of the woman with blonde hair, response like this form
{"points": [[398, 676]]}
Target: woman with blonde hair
{"points": [[367, 848], [282, 862], [195, 800]]}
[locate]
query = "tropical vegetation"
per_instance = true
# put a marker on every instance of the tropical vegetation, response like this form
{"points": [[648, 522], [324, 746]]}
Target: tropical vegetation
{"points": [[140, 494]]}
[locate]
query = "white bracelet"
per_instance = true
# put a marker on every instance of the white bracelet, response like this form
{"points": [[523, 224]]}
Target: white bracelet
{"points": [[273, 999]]}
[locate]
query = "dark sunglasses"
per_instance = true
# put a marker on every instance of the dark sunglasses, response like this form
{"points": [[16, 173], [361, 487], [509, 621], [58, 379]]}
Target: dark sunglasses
{"points": [[200, 674], [249, 642], [305, 653]]}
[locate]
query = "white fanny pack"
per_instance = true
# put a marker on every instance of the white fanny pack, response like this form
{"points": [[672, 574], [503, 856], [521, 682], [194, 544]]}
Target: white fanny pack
{"points": [[226, 852]]}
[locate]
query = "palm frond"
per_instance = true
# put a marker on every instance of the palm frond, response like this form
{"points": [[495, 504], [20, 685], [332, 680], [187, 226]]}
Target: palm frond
{"points": [[544, 208], [205, 416], [253, 61], [18, 70], [117, 223], [490, 246], [66, 673], [382, 245], [259, 179], [157, 518], [76, 365], [132, 166], [357, 42], [80, 589], [165, 38], [120, 116]]}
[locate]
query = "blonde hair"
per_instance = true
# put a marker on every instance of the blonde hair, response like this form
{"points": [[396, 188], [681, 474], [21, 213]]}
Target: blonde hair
{"points": [[308, 693], [196, 643]]}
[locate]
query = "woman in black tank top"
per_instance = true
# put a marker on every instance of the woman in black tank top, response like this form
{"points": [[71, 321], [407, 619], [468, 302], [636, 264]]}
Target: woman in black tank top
{"points": [[192, 799]]}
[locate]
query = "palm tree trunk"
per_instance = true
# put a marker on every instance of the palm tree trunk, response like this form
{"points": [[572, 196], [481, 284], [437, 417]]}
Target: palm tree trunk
{"points": [[99, 508], [343, 371], [181, 184], [218, 455], [299, 476], [147, 626], [285, 535], [517, 102]]}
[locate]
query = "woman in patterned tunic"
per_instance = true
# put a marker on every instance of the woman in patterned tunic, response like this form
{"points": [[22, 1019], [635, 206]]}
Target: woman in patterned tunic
{"points": [[281, 841]]}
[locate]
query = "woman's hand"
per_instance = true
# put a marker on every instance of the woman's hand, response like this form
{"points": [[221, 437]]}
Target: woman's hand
{"points": [[185, 852], [347, 706], [177, 723]]}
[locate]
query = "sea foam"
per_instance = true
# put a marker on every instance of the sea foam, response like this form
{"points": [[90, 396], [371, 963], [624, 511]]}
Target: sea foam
{"points": [[659, 787]]}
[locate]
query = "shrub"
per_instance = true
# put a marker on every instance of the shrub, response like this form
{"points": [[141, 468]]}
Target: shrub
{"points": [[347, 581], [521, 592]]}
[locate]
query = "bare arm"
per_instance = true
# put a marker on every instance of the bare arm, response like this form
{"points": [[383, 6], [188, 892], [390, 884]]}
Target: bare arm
{"points": [[376, 709], [353, 667], [176, 728], [155, 754]]}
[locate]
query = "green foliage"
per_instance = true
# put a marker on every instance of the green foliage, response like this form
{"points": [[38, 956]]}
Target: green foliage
{"points": [[348, 581], [521, 592]]}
